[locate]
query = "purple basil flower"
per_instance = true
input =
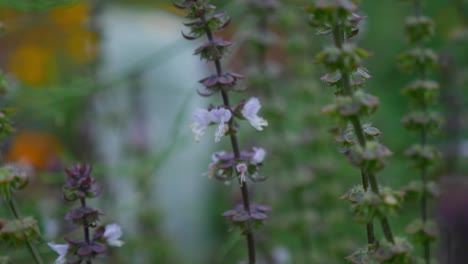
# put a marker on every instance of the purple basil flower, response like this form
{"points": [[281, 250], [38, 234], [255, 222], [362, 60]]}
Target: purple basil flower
{"points": [[82, 215], [90, 250]]}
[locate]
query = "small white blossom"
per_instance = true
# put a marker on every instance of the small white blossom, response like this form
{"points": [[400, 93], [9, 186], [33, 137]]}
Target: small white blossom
{"points": [[201, 120], [211, 170], [220, 116], [212, 166], [61, 250], [281, 255], [250, 111], [112, 234], [242, 169], [258, 156]]}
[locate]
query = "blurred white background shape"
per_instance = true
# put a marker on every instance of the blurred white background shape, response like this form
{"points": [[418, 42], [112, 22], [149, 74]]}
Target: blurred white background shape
{"points": [[148, 110]]}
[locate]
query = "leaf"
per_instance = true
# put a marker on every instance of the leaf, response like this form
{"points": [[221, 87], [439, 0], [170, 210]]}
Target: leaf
{"points": [[332, 78], [188, 37]]}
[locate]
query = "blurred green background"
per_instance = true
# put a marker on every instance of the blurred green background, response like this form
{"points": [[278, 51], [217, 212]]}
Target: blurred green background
{"points": [[113, 83]]}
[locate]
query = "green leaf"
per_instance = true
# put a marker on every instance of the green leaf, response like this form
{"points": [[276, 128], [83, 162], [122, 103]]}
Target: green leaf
{"points": [[17, 232]]}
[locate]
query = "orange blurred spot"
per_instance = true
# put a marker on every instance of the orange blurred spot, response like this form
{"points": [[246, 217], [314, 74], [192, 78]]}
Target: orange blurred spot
{"points": [[32, 64], [36, 149], [68, 17]]}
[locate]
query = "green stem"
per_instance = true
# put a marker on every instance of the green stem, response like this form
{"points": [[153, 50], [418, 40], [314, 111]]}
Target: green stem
{"points": [[423, 171], [31, 248], [423, 177], [368, 178]]}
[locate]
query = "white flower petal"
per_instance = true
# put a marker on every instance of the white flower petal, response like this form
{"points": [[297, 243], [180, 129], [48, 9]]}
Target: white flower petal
{"points": [[242, 169], [258, 156], [220, 116], [201, 116], [115, 243], [221, 131], [258, 123], [112, 234], [201, 120], [60, 249], [251, 107], [250, 111], [211, 170]]}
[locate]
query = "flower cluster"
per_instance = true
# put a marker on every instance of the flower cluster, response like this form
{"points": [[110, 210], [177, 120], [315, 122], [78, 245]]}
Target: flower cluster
{"points": [[18, 232], [12, 178], [221, 116], [239, 216], [79, 183], [367, 205], [79, 186], [360, 143], [422, 93], [225, 166]]}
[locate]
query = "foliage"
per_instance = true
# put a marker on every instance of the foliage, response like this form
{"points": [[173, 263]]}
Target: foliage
{"points": [[35, 4], [273, 48], [423, 94], [369, 201]]}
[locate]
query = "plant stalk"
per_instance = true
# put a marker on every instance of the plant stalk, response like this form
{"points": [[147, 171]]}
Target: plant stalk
{"points": [[423, 142], [31, 248], [368, 178], [423, 177], [235, 148], [85, 228]]}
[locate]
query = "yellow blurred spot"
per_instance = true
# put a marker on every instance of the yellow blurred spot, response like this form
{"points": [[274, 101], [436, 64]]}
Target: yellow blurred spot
{"points": [[81, 46], [38, 41], [36, 149], [32, 64], [68, 17], [172, 9]]}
